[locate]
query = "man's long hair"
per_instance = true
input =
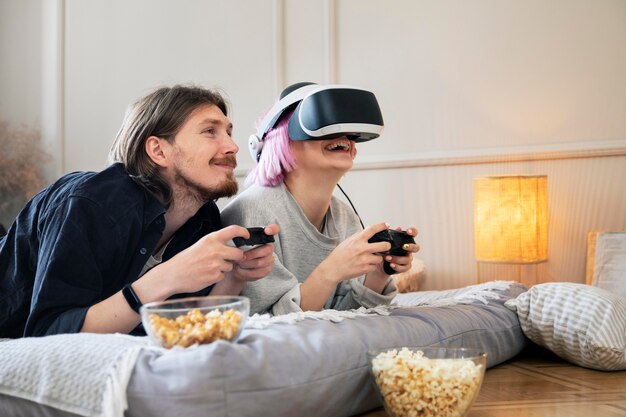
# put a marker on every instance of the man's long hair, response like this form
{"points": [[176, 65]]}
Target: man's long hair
{"points": [[161, 113]]}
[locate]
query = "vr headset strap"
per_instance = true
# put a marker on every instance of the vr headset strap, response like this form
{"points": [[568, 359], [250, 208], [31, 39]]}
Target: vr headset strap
{"points": [[280, 106], [255, 142]]}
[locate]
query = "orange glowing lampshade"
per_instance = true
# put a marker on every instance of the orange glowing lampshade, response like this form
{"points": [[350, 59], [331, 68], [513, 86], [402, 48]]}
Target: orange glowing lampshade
{"points": [[511, 219]]}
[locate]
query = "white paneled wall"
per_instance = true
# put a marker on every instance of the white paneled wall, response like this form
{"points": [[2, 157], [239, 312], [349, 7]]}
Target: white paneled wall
{"points": [[467, 89], [584, 194]]}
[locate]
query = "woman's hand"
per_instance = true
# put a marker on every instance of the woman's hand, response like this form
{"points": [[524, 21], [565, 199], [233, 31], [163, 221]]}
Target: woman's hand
{"points": [[403, 263], [355, 256], [204, 263], [377, 279]]}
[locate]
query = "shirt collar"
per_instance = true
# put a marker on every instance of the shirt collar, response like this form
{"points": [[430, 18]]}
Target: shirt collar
{"points": [[155, 210]]}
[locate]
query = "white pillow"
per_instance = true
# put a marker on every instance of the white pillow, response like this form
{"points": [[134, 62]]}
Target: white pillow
{"points": [[606, 261], [580, 323]]}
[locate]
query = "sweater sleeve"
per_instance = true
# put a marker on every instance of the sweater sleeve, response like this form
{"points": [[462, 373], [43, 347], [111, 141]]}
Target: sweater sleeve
{"points": [[353, 294]]}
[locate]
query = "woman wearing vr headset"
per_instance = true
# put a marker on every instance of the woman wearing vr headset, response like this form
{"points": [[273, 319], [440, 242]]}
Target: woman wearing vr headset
{"points": [[323, 259]]}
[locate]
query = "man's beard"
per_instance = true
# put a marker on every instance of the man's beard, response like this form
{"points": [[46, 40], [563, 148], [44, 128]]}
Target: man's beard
{"points": [[202, 194]]}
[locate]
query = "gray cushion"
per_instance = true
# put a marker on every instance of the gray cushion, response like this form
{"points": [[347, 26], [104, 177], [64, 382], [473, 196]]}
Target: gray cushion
{"points": [[312, 368]]}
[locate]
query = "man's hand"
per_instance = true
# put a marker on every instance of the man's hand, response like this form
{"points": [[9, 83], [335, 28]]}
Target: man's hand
{"points": [[256, 264], [200, 265]]}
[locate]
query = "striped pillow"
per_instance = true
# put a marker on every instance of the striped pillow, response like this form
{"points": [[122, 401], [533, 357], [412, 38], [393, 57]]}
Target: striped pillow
{"points": [[582, 324]]}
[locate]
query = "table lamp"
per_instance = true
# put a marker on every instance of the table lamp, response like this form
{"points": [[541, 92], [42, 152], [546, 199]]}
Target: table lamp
{"points": [[511, 220]]}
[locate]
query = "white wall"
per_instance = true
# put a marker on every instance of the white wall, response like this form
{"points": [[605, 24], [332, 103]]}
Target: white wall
{"points": [[584, 194], [467, 89], [20, 62], [479, 74]]}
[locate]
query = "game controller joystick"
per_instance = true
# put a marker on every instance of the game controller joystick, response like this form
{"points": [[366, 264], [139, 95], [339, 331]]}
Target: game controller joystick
{"points": [[257, 237], [397, 239]]}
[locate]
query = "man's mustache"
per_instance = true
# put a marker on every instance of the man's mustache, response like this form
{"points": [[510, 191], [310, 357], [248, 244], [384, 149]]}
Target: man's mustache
{"points": [[226, 160]]}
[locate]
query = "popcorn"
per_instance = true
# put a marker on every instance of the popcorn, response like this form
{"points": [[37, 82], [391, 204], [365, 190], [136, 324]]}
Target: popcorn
{"points": [[195, 327], [416, 386]]}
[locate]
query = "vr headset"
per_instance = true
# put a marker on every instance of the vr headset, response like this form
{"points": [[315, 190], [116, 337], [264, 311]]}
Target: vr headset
{"points": [[322, 112]]}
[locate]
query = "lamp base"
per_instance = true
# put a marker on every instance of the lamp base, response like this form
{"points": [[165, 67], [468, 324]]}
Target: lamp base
{"points": [[520, 274]]}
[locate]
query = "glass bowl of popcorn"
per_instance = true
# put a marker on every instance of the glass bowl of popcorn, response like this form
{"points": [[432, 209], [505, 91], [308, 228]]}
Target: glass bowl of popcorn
{"points": [[193, 321], [427, 381]]}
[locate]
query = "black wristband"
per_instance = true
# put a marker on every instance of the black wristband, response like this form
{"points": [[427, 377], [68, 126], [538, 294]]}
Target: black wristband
{"points": [[131, 298]]}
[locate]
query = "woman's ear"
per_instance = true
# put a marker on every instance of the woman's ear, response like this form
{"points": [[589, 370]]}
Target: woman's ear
{"points": [[156, 150]]}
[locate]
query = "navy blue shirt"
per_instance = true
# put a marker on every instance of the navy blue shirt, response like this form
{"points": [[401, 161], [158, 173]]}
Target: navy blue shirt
{"points": [[78, 242]]}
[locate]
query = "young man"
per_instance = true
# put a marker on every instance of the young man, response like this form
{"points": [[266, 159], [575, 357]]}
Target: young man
{"points": [[86, 252]]}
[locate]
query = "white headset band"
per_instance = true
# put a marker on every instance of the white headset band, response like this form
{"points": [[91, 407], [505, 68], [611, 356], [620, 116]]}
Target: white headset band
{"points": [[280, 106]]}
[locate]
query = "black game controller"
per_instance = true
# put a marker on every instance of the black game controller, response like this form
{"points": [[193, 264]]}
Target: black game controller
{"points": [[257, 237], [397, 239]]}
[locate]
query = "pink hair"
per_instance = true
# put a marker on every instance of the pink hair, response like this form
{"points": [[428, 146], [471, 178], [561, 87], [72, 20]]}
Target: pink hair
{"points": [[276, 156]]}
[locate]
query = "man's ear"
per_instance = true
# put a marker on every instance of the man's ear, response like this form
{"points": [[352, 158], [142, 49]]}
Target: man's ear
{"points": [[156, 150]]}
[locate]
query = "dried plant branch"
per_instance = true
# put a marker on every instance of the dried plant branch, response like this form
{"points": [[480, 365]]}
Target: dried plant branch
{"points": [[21, 158]]}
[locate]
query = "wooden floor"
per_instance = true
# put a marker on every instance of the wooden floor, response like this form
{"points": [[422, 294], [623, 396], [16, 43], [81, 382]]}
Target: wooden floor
{"points": [[538, 384]]}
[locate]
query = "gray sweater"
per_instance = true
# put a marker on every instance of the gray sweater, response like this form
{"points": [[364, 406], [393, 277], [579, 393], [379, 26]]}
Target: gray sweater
{"points": [[298, 250]]}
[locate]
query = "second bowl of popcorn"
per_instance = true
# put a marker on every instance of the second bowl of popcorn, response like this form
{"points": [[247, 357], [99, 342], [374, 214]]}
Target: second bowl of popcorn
{"points": [[193, 321], [427, 381]]}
